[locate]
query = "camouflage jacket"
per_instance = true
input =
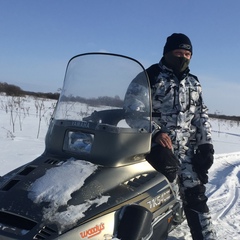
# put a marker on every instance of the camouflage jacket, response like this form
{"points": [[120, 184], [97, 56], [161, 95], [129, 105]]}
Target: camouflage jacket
{"points": [[178, 108]]}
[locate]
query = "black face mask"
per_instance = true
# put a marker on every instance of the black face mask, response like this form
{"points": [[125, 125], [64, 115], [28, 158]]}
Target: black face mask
{"points": [[177, 64]]}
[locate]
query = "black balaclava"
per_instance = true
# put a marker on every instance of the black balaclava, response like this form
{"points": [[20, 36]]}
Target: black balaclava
{"points": [[177, 64]]}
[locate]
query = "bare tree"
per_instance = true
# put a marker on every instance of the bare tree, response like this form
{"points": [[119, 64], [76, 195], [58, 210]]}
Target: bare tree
{"points": [[41, 111]]}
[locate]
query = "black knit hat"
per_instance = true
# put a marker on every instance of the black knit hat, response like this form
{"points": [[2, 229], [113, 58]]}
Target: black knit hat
{"points": [[177, 41]]}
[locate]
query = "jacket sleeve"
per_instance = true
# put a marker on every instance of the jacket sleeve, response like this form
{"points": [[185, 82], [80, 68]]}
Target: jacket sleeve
{"points": [[201, 122], [137, 101]]}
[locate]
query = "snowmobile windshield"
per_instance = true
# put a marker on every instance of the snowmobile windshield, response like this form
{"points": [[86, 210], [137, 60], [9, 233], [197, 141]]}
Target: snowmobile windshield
{"points": [[105, 89]]}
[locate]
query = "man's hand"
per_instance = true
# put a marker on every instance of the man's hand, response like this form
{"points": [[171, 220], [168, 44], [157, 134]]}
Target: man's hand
{"points": [[204, 156], [164, 140], [203, 160]]}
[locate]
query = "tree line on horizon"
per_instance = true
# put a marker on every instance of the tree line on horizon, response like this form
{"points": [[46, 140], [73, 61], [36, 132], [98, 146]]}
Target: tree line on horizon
{"points": [[13, 90]]}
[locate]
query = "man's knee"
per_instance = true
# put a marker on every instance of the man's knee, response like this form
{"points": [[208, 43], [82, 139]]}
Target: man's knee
{"points": [[164, 161], [196, 199]]}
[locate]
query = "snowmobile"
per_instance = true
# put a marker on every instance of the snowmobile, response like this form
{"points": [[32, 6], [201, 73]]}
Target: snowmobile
{"points": [[93, 180]]}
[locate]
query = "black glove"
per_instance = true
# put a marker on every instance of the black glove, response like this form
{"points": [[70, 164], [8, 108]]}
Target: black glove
{"points": [[164, 161], [203, 160]]}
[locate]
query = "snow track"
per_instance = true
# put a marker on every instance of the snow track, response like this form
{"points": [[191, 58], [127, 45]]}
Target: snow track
{"points": [[232, 196], [223, 192]]}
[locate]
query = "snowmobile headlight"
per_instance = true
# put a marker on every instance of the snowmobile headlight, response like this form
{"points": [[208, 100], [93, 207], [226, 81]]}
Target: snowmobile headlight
{"points": [[77, 141]]}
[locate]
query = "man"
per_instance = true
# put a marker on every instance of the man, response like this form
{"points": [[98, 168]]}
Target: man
{"points": [[181, 115]]}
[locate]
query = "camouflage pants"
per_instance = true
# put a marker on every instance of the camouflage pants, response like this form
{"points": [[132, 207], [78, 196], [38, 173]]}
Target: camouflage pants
{"points": [[192, 193]]}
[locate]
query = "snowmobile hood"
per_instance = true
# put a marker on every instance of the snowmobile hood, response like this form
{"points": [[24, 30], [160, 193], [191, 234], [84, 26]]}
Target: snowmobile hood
{"points": [[65, 193]]}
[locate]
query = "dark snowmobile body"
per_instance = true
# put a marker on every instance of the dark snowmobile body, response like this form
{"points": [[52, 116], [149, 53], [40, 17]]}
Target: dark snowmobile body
{"points": [[92, 181]]}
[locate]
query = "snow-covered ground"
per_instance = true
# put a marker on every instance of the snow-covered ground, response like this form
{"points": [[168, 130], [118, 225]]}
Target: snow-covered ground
{"points": [[25, 142]]}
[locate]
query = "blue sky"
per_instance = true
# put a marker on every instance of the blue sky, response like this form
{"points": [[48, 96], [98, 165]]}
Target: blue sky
{"points": [[38, 37]]}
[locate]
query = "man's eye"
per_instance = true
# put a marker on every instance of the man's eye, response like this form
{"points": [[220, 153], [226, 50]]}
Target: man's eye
{"points": [[177, 54]]}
